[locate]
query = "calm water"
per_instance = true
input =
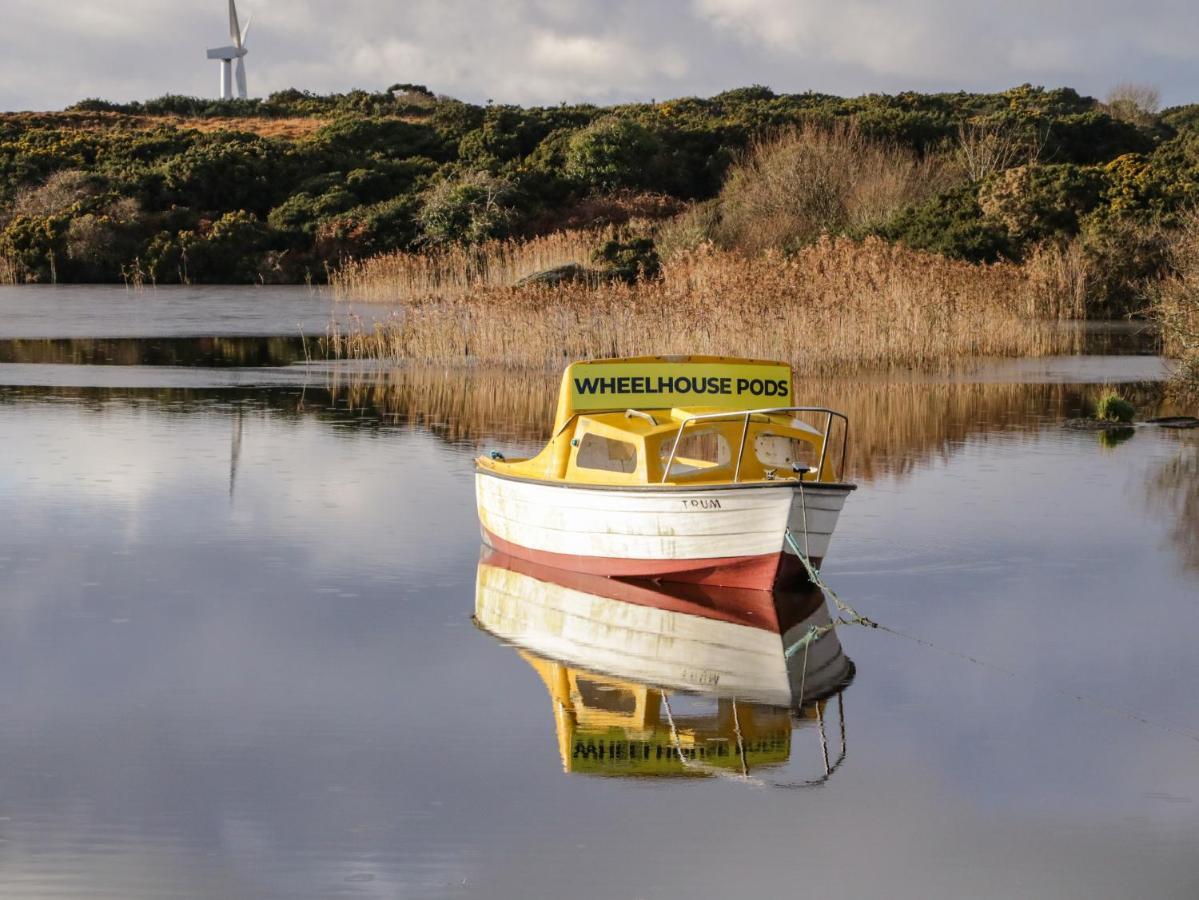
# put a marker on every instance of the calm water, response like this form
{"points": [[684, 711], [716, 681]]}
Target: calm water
{"points": [[239, 655]]}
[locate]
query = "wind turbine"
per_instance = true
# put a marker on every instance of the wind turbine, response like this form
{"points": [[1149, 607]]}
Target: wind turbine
{"points": [[237, 51]]}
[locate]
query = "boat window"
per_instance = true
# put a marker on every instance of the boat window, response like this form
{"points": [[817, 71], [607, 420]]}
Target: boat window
{"points": [[782, 452], [698, 450], [606, 454]]}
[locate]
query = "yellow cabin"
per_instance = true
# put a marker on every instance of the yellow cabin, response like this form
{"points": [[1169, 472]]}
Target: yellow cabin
{"points": [[687, 421]]}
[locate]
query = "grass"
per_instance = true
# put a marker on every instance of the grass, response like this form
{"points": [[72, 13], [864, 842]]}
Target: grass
{"points": [[293, 128], [1111, 407], [836, 306]]}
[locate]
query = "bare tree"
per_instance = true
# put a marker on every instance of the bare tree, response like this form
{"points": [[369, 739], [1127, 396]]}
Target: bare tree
{"points": [[985, 147], [1135, 103]]}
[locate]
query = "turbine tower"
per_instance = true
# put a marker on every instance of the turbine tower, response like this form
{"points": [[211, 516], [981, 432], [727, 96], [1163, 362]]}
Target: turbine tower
{"points": [[237, 51]]}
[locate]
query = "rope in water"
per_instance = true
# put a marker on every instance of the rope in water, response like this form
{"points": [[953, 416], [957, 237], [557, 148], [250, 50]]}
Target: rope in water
{"points": [[850, 616]]}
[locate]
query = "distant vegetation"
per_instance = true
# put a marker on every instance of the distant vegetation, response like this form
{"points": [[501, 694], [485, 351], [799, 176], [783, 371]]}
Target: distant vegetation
{"points": [[288, 188]]}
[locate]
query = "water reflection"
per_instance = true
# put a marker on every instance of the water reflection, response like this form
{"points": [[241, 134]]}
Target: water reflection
{"points": [[280, 695], [649, 679], [1174, 485], [208, 352], [896, 425]]}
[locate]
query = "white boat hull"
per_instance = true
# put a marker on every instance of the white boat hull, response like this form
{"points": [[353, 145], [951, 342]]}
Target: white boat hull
{"points": [[728, 535]]}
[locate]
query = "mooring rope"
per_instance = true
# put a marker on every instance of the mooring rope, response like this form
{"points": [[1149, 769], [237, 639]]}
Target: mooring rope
{"points": [[850, 616]]}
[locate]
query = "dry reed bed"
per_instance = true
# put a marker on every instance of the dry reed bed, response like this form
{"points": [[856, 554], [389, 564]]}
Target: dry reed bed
{"points": [[457, 270], [1176, 309], [837, 306]]}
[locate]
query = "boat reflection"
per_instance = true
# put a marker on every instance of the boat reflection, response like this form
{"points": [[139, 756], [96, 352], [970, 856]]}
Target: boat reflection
{"points": [[649, 679]]}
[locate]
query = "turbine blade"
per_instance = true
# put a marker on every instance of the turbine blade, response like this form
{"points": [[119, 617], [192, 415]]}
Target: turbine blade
{"points": [[234, 28], [246, 29], [241, 77]]}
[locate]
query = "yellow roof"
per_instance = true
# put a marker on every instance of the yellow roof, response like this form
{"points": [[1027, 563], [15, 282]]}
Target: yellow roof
{"points": [[662, 382]]}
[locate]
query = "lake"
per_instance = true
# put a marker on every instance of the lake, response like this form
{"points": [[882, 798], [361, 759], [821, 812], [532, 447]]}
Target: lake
{"points": [[249, 647]]}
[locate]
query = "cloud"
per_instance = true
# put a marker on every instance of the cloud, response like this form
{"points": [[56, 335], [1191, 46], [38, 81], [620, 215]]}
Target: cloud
{"points": [[948, 45], [547, 51]]}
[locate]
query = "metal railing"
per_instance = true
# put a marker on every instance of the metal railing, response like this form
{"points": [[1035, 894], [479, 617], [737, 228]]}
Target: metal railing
{"points": [[747, 415]]}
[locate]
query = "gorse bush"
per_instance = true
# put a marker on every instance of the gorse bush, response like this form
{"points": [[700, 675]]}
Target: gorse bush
{"points": [[326, 178], [613, 153], [477, 207]]}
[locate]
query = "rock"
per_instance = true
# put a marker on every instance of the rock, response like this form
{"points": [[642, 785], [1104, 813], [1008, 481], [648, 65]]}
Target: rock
{"points": [[567, 274], [1095, 425], [1175, 421]]}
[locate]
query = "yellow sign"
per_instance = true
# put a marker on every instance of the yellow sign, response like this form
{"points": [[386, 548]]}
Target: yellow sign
{"points": [[661, 384]]}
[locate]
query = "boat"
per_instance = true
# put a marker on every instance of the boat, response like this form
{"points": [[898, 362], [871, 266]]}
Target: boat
{"points": [[693, 469], [647, 678]]}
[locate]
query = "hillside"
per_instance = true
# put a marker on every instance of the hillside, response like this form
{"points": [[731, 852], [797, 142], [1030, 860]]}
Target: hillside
{"points": [[286, 188]]}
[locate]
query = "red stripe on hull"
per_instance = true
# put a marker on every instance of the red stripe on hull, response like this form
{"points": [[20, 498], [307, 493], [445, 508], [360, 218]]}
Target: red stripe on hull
{"points": [[764, 572]]}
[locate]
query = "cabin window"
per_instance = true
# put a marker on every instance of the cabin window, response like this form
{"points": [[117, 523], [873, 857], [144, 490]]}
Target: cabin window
{"points": [[606, 454], [781, 452], [596, 695], [698, 450]]}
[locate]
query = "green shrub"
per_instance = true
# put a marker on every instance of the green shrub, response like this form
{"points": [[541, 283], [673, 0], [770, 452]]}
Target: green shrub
{"points": [[952, 224], [225, 172], [361, 180], [473, 208], [1111, 407], [613, 153], [629, 260], [226, 250], [35, 245], [1123, 257]]}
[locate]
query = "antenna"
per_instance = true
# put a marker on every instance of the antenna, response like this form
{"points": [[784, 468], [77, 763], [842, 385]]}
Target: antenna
{"points": [[236, 51]]}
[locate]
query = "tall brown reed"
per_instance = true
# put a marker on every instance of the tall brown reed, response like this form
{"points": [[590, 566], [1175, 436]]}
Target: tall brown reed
{"points": [[836, 306], [814, 179], [10, 270], [1176, 306], [457, 269]]}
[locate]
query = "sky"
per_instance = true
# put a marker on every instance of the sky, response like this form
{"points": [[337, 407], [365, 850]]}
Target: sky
{"points": [[550, 51]]}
